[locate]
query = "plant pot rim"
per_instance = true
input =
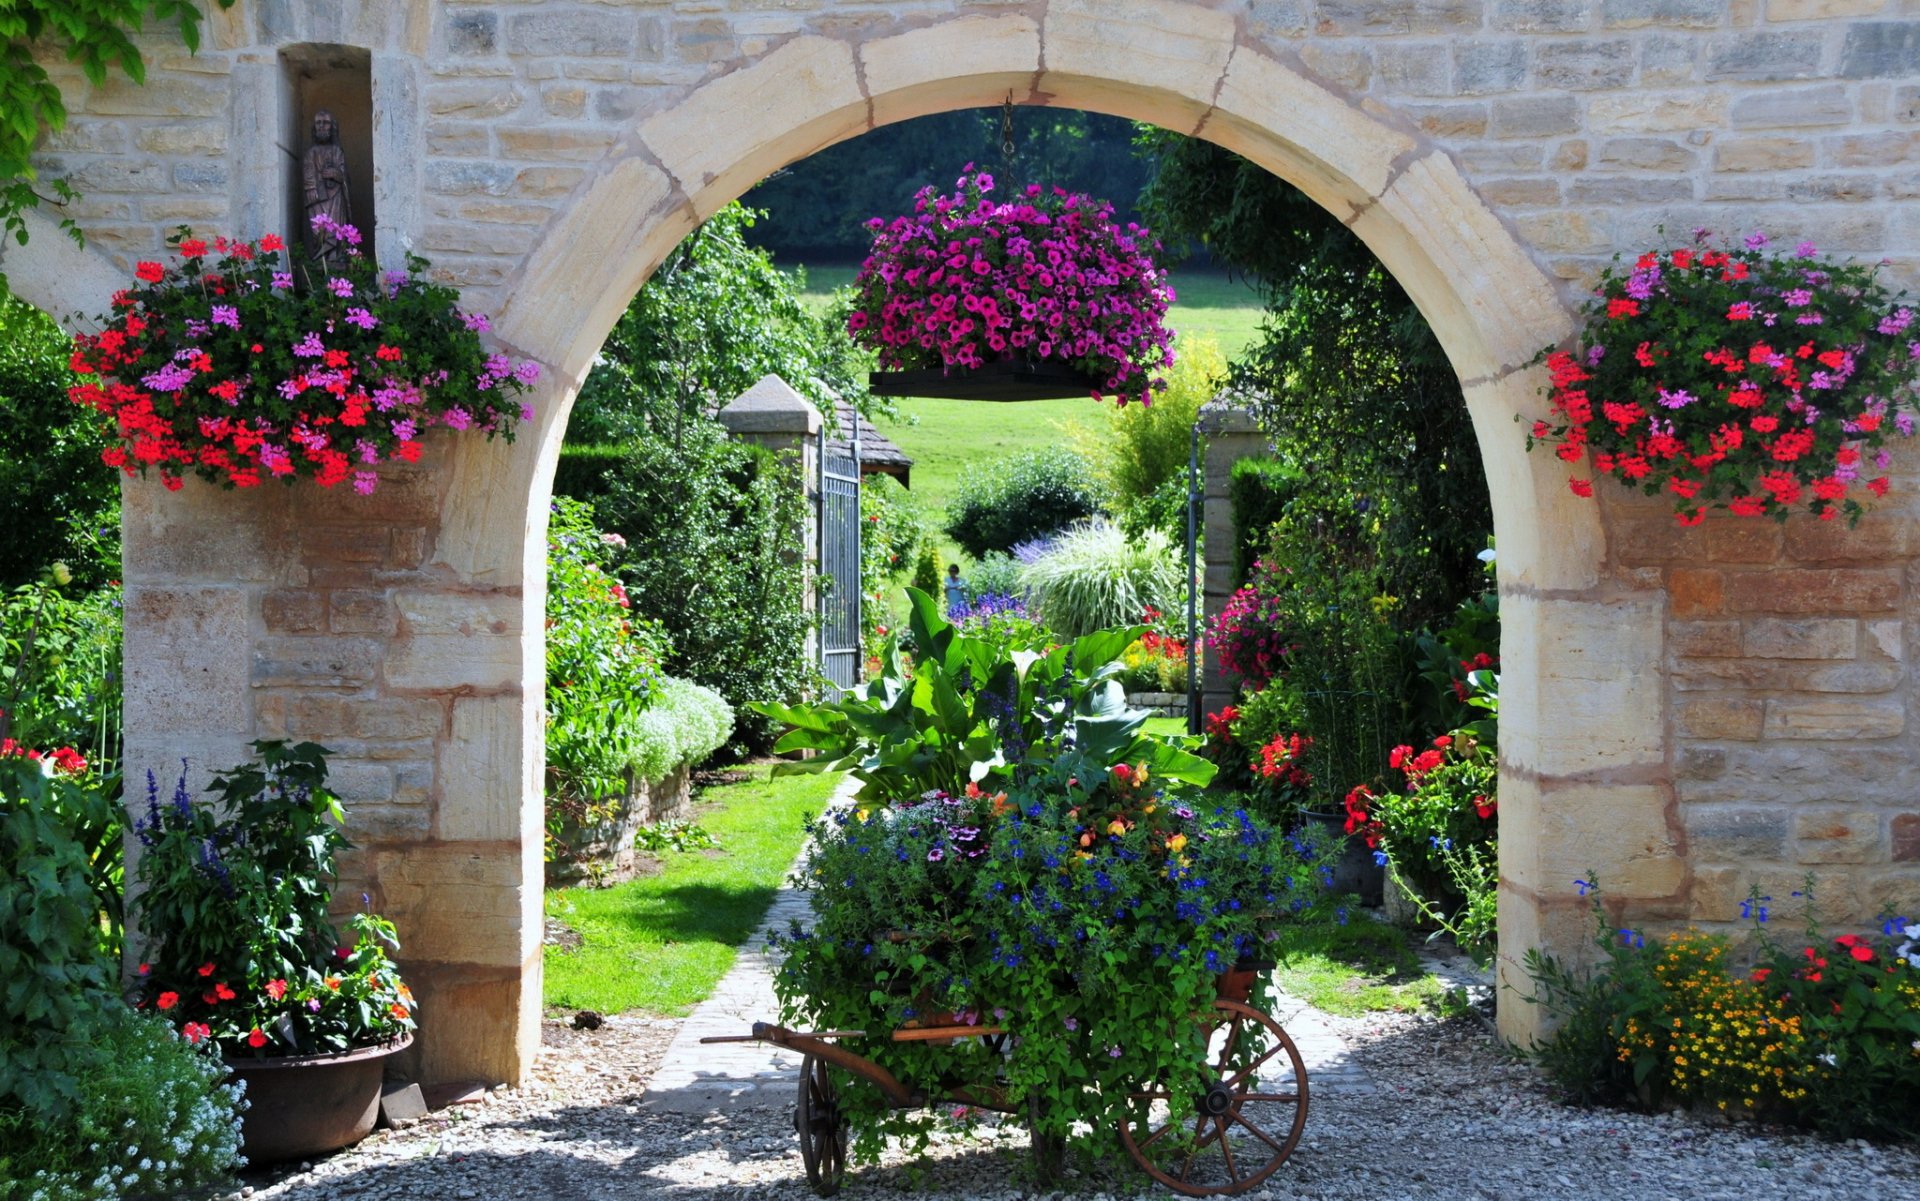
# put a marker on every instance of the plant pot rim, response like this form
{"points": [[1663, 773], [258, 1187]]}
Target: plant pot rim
{"points": [[1001, 379], [350, 1055]]}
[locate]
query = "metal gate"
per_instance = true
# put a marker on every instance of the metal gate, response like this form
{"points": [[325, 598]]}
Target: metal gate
{"points": [[838, 583]]}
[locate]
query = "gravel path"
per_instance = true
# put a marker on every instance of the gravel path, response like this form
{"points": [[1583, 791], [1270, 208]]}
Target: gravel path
{"points": [[1447, 1116]]}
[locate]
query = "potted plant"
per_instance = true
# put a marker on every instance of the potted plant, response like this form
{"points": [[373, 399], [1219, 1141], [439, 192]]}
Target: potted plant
{"points": [[241, 368], [1739, 379], [241, 950], [1041, 295]]}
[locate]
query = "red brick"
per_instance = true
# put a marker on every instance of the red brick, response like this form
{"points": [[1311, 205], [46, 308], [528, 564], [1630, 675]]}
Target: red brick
{"points": [[1839, 591]]}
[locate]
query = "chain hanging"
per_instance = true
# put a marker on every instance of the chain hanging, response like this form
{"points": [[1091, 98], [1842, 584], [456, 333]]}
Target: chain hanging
{"points": [[1007, 147]]}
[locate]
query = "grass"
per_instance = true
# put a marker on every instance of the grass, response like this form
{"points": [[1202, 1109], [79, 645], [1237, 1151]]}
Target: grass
{"points": [[1363, 966], [660, 943]]}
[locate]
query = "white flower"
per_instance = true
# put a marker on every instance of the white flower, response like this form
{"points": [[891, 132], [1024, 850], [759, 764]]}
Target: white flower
{"points": [[1827, 1059]]}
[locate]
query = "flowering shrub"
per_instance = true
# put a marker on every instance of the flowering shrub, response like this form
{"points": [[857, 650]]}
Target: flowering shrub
{"points": [[1738, 379], [1085, 910], [242, 952], [967, 280], [1251, 636], [239, 369], [1157, 662], [1819, 1030]]}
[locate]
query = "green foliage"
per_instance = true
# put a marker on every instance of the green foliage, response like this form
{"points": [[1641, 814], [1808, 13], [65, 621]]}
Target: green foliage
{"points": [[602, 665], [966, 710], [675, 836], [1088, 910], [1096, 576], [52, 969], [1459, 663], [1352, 968], [95, 35], [819, 207], [711, 527], [716, 317], [1348, 380], [235, 900], [893, 533], [996, 574], [1002, 504], [1137, 451], [152, 1119], [60, 668], [1259, 492], [928, 570], [63, 504]]}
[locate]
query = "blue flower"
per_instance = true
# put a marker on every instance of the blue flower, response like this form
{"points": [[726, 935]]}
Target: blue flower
{"points": [[1632, 938], [1379, 859], [1585, 886]]}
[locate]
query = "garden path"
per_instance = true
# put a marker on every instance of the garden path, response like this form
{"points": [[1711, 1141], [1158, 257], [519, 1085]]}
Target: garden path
{"points": [[697, 1079]]}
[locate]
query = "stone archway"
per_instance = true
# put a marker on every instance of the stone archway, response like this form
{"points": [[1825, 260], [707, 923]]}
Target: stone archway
{"points": [[1581, 725]]}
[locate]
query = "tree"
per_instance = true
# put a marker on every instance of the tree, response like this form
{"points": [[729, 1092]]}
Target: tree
{"points": [[95, 35], [714, 318], [1348, 378]]}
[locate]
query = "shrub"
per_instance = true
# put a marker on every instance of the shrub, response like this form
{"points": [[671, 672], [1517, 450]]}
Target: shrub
{"points": [[602, 664], [59, 503], [712, 528], [685, 724], [152, 1119], [996, 506], [998, 574], [892, 532], [1139, 452], [928, 571], [1096, 576], [1258, 491]]}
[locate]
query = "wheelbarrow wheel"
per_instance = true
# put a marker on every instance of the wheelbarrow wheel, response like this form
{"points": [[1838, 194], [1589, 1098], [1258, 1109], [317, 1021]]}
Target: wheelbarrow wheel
{"points": [[1249, 1098], [822, 1127], [1049, 1150]]}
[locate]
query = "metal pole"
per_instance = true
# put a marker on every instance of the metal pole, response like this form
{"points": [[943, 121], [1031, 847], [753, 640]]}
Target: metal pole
{"points": [[1193, 646]]}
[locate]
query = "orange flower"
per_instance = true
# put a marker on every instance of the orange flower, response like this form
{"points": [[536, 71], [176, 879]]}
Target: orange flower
{"points": [[276, 989], [333, 982], [398, 1010]]}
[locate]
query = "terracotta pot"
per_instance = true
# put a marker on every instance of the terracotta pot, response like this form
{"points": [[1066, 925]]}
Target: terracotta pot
{"points": [[311, 1104]]}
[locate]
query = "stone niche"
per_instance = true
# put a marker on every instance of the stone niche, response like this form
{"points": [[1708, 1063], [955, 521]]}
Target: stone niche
{"points": [[340, 80]]}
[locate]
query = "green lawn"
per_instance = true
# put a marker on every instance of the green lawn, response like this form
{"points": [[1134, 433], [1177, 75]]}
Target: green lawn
{"points": [[661, 942], [1361, 967]]}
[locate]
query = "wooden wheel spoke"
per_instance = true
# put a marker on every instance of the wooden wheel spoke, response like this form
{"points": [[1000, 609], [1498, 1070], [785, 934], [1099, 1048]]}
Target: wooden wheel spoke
{"points": [[1155, 1137], [1244, 1097], [1226, 1148], [1186, 1169], [1255, 1065], [1258, 1133]]}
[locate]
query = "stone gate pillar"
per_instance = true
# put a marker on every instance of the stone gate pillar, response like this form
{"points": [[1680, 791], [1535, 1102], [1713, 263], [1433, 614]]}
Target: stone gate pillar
{"points": [[1231, 434]]}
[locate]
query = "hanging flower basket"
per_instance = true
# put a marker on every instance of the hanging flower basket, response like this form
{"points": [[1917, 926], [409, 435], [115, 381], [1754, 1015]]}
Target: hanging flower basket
{"points": [[243, 369], [1741, 379], [1042, 296]]}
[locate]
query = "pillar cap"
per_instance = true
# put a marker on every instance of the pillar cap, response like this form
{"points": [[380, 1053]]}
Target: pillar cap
{"points": [[1227, 413], [771, 406]]}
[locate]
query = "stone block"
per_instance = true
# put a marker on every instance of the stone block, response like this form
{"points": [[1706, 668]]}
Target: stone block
{"points": [[1717, 834], [1338, 17], [1721, 717], [1833, 590], [1762, 154], [472, 34], [1178, 63], [578, 33], [1880, 50], [1704, 639], [1412, 71], [1718, 891], [1684, 14], [1834, 719], [1645, 154], [1543, 16], [1694, 592], [488, 785], [356, 611], [1888, 638], [1874, 149], [1597, 671], [159, 96], [466, 178], [566, 100], [1277, 18], [459, 139], [547, 181], [401, 1105], [1905, 828], [1669, 60], [1781, 11], [1500, 158], [1539, 191], [1845, 772], [1657, 112], [497, 1034], [200, 176], [1837, 836], [480, 100], [1814, 638], [1792, 108], [1583, 64], [1625, 190], [1790, 675], [484, 663], [899, 69], [460, 902], [1765, 56], [184, 138], [182, 675], [359, 783], [315, 662], [551, 142], [1450, 121], [294, 611]]}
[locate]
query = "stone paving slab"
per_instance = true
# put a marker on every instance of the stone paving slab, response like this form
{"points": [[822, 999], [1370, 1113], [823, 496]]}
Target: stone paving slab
{"points": [[693, 1078]]}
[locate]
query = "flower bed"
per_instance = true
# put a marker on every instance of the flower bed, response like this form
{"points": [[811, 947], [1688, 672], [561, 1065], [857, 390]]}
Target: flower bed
{"points": [[241, 369], [1737, 379], [1048, 277]]}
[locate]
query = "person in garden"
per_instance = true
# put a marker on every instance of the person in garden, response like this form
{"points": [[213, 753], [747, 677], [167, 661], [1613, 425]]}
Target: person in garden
{"points": [[956, 589]]}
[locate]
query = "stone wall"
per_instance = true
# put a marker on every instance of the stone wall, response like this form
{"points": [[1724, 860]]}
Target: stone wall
{"points": [[1688, 712]]}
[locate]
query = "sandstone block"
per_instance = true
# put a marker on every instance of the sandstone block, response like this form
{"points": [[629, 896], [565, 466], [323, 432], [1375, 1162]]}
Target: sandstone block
{"points": [[481, 100], [1835, 719], [1717, 834], [460, 902], [1645, 154], [464, 178], [576, 34], [1669, 60], [1597, 670], [1411, 71], [1277, 18], [471, 34], [547, 181], [1837, 836], [1630, 190], [1789, 108], [1704, 639], [1583, 64], [1888, 638], [160, 96], [1183, 58], [1539, 191], [1762, 154], [188, 137], [1450, 121], [1543, 16], [1905, 828], [1657, 112], [357, 611], [181, 674], [1834, 590], [488, 782], [294, 611], [459, 139], [315, 662], [1695, 592], [1816, 638], [1419, 16], [1719, 717], [1874, 149], [547, 142], [1685, 14], [200, 176], [568, 100], [1821, 10]]}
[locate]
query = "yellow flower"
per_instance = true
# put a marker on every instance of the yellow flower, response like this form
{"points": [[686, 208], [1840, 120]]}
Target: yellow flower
{"points": [[1177, 843]]}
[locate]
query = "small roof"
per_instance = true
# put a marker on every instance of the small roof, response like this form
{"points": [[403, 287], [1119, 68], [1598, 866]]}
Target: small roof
{"points": [[878, 454]]}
